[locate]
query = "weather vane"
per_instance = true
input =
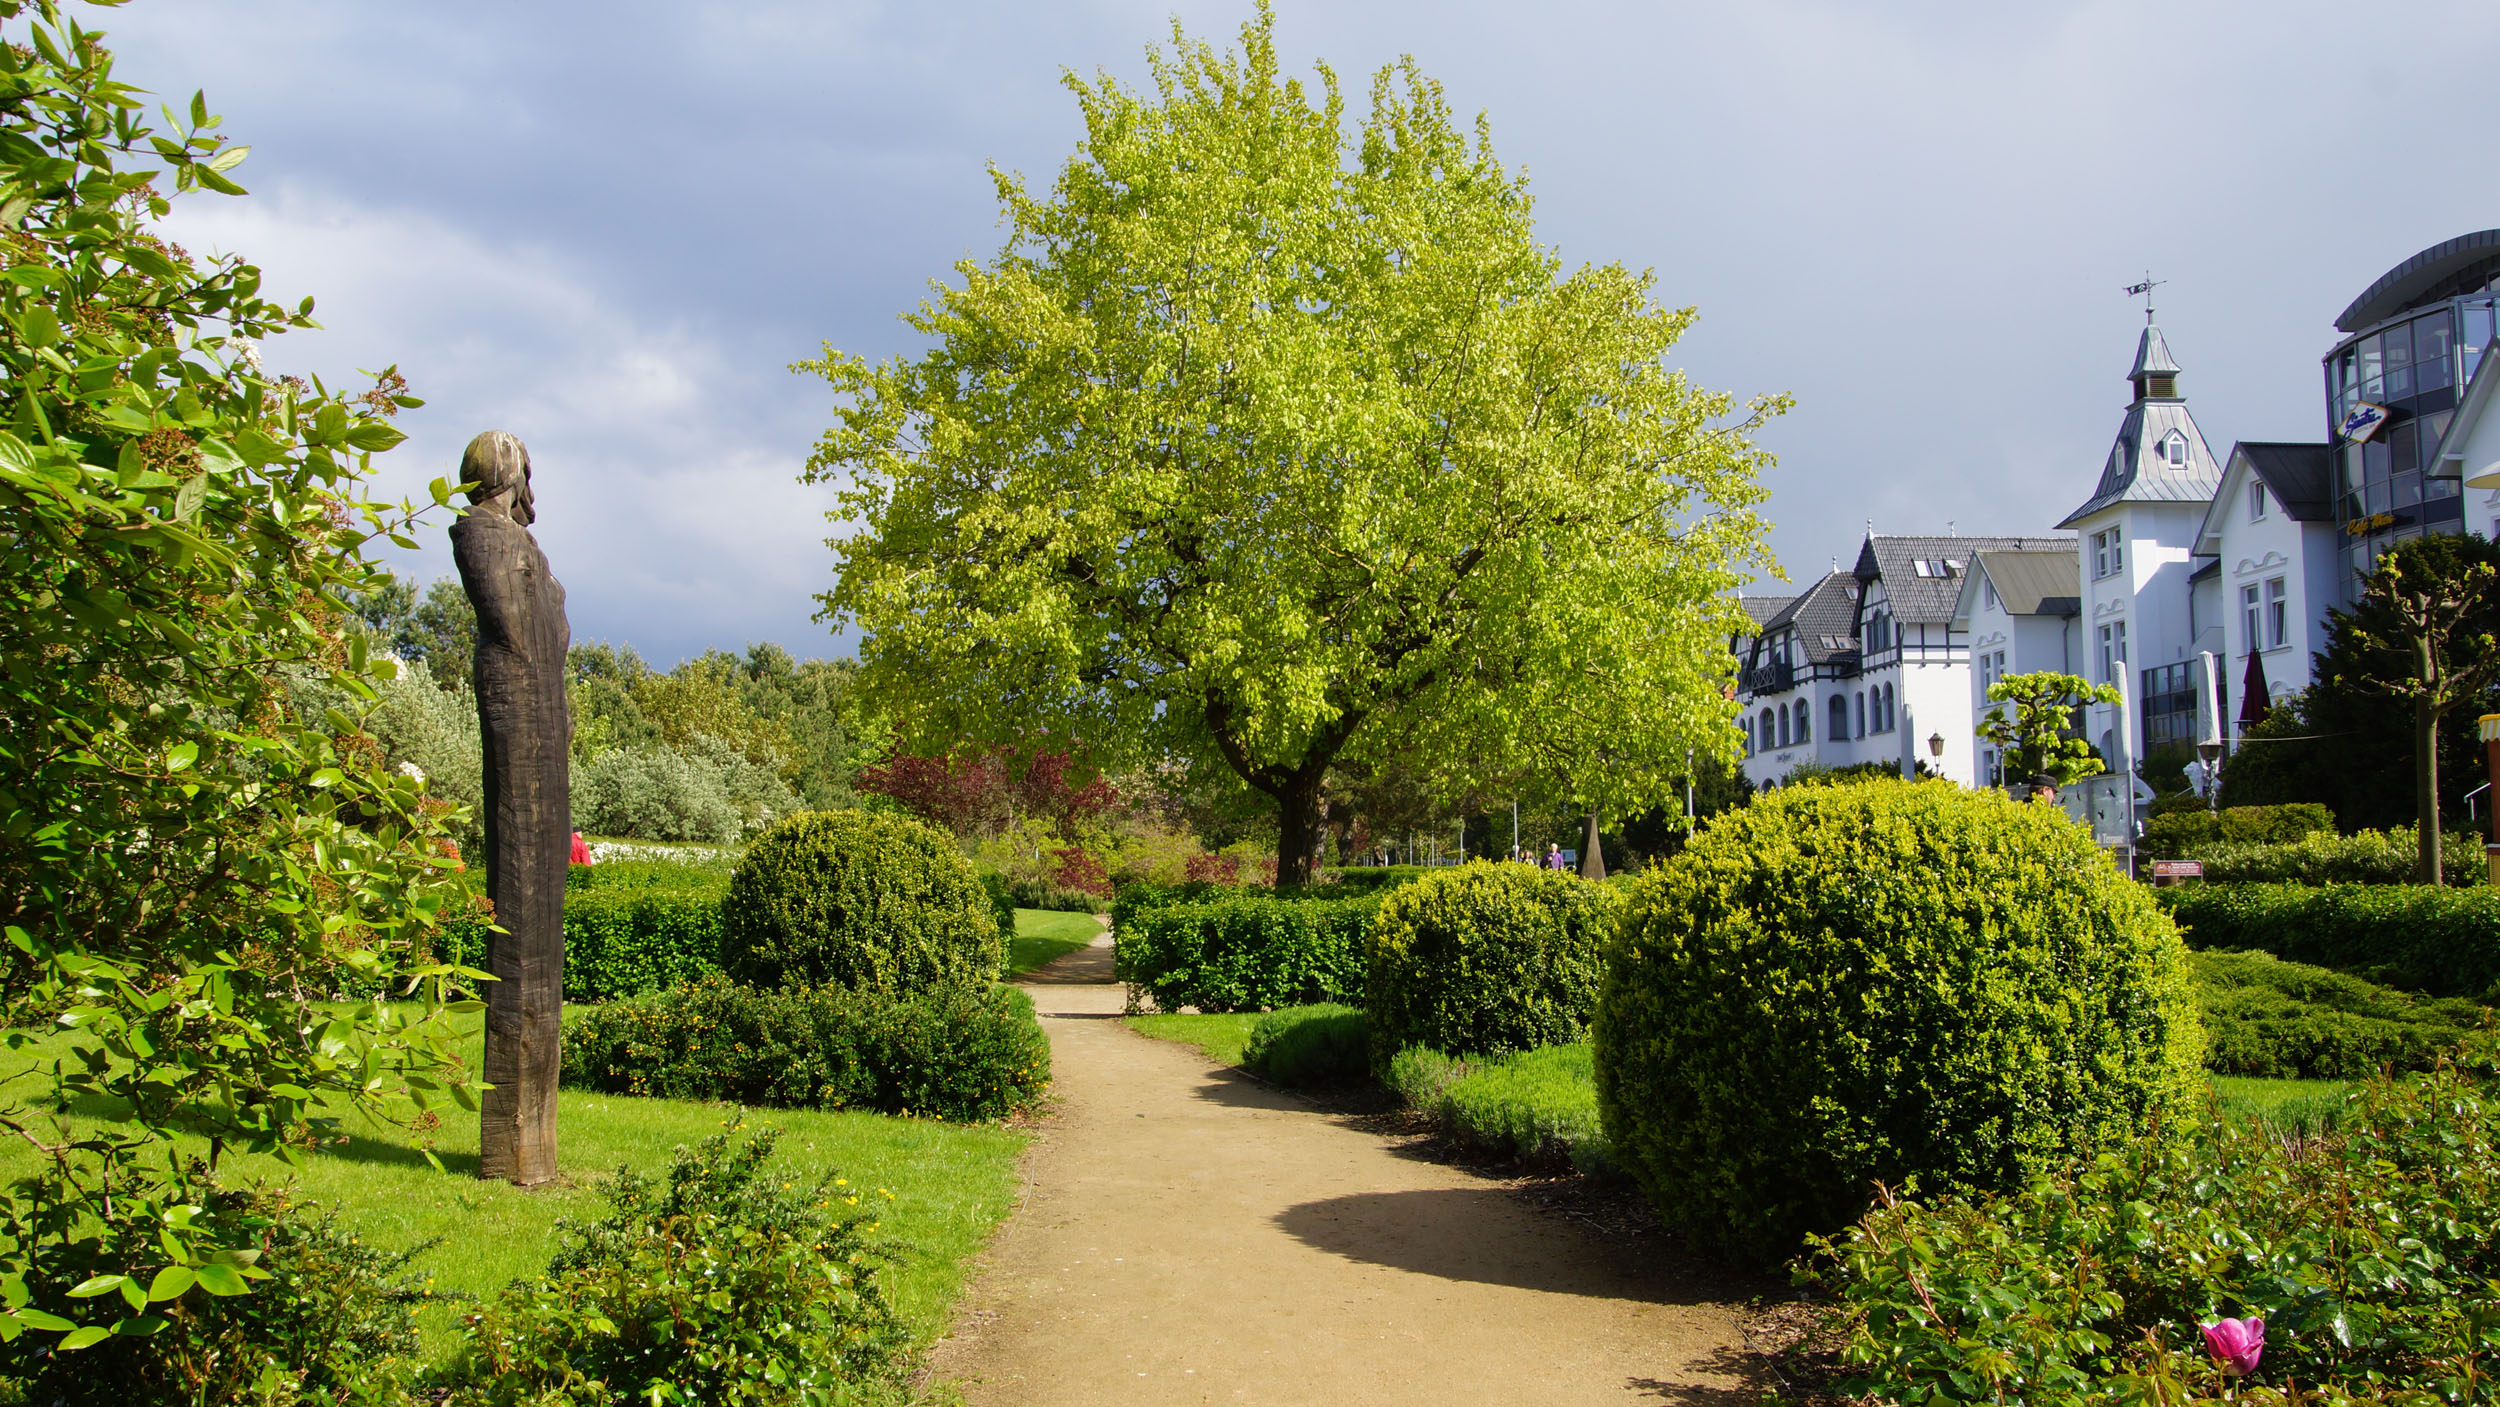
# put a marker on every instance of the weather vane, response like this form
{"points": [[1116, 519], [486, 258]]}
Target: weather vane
{"points": [[2146, 289]]}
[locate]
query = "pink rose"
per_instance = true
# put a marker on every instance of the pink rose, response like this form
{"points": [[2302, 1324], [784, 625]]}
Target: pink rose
{"points": [[2235, 1344]]}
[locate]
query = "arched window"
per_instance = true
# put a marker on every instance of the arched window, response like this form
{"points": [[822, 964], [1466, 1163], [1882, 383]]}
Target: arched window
{"points": [[1770, 739], [1805, 721], [1861, 713], [1784, 727], [1840, 718], [1883, 709]]}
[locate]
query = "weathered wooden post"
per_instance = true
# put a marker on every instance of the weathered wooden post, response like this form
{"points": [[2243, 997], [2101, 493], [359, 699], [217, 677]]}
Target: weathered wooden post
{"points": [[528, 730]]}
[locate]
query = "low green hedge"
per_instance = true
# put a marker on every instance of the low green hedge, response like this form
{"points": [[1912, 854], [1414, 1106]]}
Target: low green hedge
{"points": [[956, 1052], [1039, 894], [2170, 834], [1538, 1106], [2442, 942], [1135, 898], [1245, 952], [708, 875], [618, 941], [2287, 1020], [1303, 1046], [2364, 857]]}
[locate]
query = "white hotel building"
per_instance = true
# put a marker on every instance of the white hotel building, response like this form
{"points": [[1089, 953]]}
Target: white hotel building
{"points": [[2176, 554]]}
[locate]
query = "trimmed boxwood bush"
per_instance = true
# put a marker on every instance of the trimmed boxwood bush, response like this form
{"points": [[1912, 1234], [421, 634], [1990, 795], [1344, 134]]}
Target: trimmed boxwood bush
{"points": [[1245, 952], [1487, 959], [1884, 981], [2442, 942], [956, 1052], [874, 902], [2292, 1021], [2364, 857], [619, 941], [1308, 1045], [2172, 832]]}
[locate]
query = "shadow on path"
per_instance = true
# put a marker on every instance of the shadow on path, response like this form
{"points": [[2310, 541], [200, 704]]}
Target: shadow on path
{"points": [[1439, 1231]]}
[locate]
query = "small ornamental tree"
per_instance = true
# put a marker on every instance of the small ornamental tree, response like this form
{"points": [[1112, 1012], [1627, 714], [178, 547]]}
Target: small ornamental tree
{"points": [[186, 862], [2039, 738], [1264, 440], [2425, 633]]}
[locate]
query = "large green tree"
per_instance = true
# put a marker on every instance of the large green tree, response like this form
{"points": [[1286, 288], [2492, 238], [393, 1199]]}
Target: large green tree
{"points": [[1263, 438]]}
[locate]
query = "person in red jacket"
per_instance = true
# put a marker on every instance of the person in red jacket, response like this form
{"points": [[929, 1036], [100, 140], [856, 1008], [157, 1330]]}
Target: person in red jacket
{"points": [[581, 850]]}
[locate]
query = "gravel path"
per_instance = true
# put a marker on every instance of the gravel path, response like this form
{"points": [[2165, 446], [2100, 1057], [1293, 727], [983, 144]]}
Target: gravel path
{"points": [[1193, 1236]]}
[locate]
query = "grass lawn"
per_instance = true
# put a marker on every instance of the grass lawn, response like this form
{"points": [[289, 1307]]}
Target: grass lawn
{"points": [[2290, 1105], [953, 1183], [1046, 935], [1221, 1037]]}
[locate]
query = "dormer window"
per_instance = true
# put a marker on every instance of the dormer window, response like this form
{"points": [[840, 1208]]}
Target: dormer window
{"points": [[2174, 450]]}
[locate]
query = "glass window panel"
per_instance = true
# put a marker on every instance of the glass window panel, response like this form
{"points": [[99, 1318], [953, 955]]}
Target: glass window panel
{"points": [[2398, 341], [2353, 475], [2373, 361], [2403, 447], [2374, 461], [2477, 326], [2438, 487], [2399, 382], [2343, 370], [2408, 489], [2376, 498], [2430, 336], [2431, 373]]}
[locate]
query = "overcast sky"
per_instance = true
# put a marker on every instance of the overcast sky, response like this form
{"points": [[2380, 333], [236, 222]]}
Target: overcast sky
{"points": [[609, 227]]}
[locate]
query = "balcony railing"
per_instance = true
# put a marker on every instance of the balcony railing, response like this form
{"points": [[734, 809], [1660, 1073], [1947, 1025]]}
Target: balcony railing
{"points": [[1770, 678]]}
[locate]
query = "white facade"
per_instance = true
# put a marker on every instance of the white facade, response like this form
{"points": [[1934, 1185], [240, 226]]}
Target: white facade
{"points": [[2026, 624], [2276, 553]]}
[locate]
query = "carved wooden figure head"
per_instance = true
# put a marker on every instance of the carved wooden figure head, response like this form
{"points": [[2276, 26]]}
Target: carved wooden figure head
{"points": [[499, 464]]}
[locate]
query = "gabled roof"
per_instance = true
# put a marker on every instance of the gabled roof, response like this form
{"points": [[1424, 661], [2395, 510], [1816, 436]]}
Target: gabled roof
{"points": [[2035, 583], [1763, 609], [2299, 477], [1824, 618], [2135, 471], [1918, 593], [2444, 270]]}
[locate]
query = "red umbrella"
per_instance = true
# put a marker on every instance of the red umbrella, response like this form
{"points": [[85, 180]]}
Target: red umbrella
{"points": [[2253, 700]]}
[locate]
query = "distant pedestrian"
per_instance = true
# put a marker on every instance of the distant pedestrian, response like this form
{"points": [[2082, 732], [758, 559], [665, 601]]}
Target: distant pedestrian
{"points": [[581, 849], [1554, 857]]}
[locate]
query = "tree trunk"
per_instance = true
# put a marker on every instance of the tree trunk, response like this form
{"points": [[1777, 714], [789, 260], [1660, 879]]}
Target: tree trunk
{"points": [[1593, 855], [1301, 824], [2425, 792]]}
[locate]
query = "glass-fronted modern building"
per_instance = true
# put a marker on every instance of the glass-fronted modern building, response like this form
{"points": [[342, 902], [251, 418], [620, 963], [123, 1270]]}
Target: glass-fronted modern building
{"points": [[2412, 340]]}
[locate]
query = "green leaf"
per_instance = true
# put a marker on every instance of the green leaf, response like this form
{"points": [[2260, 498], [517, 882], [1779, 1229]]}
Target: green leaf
{"points": [[189, 497], [374, 436], [222, 1280], [85, 1337], [181, 755], [172, 1282], [39, 326], [228, 159], [98, 1285]]}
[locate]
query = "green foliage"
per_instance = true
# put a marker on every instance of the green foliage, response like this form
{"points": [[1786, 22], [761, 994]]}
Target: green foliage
{"points": [[325, 1308], [2443, 942], [1486, 959], [2288, 1020], [1304, 1046], [1538, 1106], [2364, 857], [1837, 985], [629, 927], [185, 860], [1245, 952], [2366, 1248], [2170, 834], [2038, 737], [1040, 894], [953, 1052], [723, 1284], [853, 899], [1268, 503]]}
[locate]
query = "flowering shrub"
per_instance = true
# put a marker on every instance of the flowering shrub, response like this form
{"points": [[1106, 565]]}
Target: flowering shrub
{"points": [[2371, 1252]]}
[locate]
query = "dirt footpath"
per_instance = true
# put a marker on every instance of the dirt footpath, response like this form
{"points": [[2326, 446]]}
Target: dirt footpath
{"points": [[1192, 1236]]}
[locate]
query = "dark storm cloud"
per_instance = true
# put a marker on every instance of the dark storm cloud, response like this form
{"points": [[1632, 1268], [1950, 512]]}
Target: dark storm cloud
{"points": [[608, 227]]}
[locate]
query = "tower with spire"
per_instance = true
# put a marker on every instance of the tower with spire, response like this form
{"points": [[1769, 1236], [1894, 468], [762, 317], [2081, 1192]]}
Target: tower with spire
{"points": [[2135, 537]]}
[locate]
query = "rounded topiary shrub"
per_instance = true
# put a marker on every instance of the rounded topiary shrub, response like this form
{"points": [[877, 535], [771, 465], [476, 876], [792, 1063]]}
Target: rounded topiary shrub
{"points": [[1837, 985], [1486, 959], [879, 903]]}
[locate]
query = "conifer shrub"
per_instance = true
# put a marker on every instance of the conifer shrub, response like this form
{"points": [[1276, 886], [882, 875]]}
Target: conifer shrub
{"points": [[1487, 959], [2288, 1020], [1887, 981], [869, 901]]}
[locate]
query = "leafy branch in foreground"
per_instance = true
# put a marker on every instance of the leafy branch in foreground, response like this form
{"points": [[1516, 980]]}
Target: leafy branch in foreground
{"points": [[187, 864]]}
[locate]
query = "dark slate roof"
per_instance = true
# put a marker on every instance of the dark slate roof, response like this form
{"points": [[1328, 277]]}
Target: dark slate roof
{"points": [[1929, 599], [2036, 582], [1764, 608], [1824, 618], [2444, 270], [2212, 570], [2301, 477]]}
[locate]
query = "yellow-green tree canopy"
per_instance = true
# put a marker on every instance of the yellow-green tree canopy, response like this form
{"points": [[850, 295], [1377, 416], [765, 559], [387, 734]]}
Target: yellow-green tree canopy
{"points": [[1263, 437]]}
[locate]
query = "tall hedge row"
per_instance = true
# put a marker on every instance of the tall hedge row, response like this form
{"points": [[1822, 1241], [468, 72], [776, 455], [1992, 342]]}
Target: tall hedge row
{"points": [[1246, 952], [2442, 942]]}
